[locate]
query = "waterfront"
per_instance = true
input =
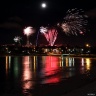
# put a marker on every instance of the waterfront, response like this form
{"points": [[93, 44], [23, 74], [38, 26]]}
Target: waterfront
{"points": [[44, 75]]}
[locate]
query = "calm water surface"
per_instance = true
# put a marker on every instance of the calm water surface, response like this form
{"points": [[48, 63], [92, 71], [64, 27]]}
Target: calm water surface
{"points": [[42, 75]]}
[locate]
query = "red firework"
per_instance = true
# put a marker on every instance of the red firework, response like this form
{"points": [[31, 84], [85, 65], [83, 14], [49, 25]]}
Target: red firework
{"points": [[51, 36]]}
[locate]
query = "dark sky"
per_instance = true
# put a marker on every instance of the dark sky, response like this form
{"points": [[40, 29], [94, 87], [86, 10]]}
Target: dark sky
{"points": [[16, 15]]}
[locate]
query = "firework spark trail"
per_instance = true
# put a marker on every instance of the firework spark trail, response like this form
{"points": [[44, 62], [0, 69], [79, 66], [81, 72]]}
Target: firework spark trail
{"points": [[42, 30], [37, 38], [50, 34], [74, 22]]}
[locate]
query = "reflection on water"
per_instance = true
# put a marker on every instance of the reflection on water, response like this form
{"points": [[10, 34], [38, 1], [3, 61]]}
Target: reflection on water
{"points": [[8, 64], [88, 63], [82, 62], [82, 68], [50, 69], [50, 65], [16, 67], [34, 62], [47, 66], [30, 70], [85, 65], [67, 62], [27, 73]]}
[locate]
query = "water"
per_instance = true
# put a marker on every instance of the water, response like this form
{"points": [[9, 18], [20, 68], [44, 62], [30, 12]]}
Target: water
{"points": [[44, 75]]}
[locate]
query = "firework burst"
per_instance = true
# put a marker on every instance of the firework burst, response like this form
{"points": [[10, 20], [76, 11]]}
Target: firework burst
{"points": [[17, 38], [50, 34], [28, 31], [74, 22], [43, 29]]}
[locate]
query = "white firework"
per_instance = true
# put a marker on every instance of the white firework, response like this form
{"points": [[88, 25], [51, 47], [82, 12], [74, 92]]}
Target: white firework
{"points": [[28, 31], [17, 38], [43, 29], [74, 22]]}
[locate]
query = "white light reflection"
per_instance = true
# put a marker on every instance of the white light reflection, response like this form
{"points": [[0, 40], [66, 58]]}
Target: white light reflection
{"points": [[82, 67], [82, 61], [71, 62], [27, 73], [9, 61]]}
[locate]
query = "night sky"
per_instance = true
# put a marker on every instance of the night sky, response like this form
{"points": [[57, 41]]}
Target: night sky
{"points": [[16, 15]]}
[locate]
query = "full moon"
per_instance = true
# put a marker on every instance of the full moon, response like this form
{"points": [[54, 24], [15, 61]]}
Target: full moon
{"points": [[43, 5]]}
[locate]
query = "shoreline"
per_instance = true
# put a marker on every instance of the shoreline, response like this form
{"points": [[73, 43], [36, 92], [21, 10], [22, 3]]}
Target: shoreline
{"points": [[65, 55]]}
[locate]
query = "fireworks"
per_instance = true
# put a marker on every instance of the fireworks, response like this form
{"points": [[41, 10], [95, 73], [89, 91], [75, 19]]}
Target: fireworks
{"points": [[43, 29], [50, 34], [74, 22], [17, 39], [28, 31]]}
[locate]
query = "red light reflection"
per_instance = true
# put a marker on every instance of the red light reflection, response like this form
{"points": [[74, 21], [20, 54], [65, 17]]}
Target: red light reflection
{"points": [[51, 69]]}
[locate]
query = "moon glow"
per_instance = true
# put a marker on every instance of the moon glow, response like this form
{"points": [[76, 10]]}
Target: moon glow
{"points": [[43, 5]]}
